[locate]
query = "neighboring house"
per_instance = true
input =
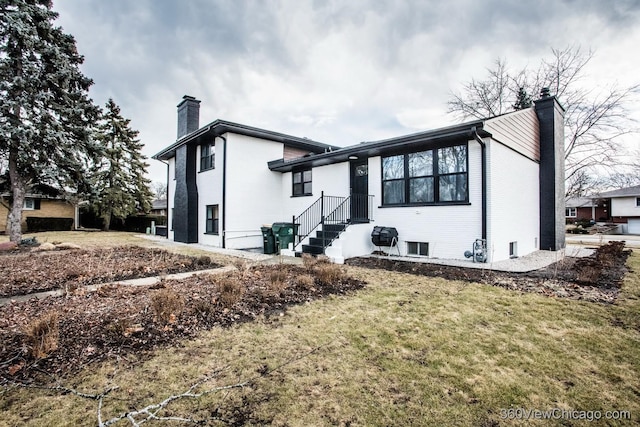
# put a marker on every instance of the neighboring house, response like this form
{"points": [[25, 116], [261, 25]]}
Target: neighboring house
{"points": [[159, 207], [40, 204], [625, 208], [499, 179], [586, 209]]}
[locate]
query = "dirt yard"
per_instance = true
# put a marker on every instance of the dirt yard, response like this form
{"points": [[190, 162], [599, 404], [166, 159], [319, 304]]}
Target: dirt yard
{"points": [[596, 278], [59, 335]]}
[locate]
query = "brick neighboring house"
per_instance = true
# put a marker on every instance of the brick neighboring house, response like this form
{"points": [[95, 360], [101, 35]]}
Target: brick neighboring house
{"points": [[587, 209], [40, 202]]}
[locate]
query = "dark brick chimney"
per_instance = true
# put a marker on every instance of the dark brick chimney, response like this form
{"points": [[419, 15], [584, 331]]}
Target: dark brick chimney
{"points": [[552, 221], [188, 115]]}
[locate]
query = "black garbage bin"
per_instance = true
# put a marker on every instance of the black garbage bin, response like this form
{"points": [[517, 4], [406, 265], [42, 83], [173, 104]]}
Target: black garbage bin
{"points": [[268, 240], [285, 233]]}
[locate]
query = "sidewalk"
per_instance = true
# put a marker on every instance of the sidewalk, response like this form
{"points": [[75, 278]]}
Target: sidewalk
{"points": [[631, 240]]}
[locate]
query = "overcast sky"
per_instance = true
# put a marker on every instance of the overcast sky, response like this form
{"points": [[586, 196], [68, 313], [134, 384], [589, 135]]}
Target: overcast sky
{"points": [[338, 72]]}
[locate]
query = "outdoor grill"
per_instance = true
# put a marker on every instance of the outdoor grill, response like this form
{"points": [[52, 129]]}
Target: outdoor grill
{"points": [[384, 236]]}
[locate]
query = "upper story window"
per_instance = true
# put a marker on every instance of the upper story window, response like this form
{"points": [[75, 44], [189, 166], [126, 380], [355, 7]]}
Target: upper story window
{"points": [[426, 177], [207, 156], [302, 183]]}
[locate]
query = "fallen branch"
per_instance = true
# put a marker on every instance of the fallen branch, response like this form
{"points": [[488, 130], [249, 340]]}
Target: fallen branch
{"points": [[150, 412]]}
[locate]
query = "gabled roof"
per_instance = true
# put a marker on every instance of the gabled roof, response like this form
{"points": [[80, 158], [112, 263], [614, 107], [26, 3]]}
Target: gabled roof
{"points": [[581, 202], [159, 204], [622, 192], [375, 148], [220, 127]]}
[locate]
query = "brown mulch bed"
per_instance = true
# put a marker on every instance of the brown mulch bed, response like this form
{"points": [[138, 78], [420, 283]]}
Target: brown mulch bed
{"points": [[117, 320], [29, 272], [596, 278]]}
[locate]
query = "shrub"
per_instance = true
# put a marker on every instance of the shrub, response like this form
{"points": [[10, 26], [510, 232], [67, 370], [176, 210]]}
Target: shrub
{"points": [[328, 274], [42, 335], [305, 281], [278, 279], [35, 224], [230, 291], [166, 305]]}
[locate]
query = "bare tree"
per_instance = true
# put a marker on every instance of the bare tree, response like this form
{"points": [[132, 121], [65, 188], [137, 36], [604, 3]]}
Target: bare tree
{"points": [[595, 118], [159, 190]]}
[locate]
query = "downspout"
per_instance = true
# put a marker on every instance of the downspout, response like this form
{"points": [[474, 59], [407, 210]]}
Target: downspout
{"points": [[483, 146], [167, 195], [224, 189]]}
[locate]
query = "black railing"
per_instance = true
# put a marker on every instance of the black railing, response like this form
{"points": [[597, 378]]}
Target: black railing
{"points": [[333, 210]]}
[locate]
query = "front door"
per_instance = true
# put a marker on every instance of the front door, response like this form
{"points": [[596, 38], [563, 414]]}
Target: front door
{"points": [[359, 191]]}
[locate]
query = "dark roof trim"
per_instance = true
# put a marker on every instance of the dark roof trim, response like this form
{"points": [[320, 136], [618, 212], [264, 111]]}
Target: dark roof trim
{"points": [[375, 148], [220, 127]]}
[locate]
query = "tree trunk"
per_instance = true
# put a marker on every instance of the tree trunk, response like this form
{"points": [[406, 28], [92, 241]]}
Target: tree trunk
{"points": [[18, 190], [106, 222]]}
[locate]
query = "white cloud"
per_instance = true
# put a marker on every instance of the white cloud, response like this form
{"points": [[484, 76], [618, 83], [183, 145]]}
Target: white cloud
{"points": [[339, 72]]}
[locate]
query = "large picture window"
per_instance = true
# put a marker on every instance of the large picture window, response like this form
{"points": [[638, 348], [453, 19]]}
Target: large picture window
{"points": [[425, 177], [302, 183], [212, 219], [207, 157]]}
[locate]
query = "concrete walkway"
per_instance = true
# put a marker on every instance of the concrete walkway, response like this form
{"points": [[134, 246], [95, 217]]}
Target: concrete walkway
{"points": [[631, 240], [531, 262], [142, 281]]}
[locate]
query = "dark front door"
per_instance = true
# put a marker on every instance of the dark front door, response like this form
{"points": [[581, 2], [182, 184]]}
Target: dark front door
{"points": [[359, 190]]}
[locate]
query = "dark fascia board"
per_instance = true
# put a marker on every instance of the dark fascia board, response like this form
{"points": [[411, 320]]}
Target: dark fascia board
{"points": [[220, 127], [376, 148]]}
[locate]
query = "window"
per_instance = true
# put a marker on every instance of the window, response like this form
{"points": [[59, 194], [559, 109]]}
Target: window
{"points": [[638, 202], [302, 183], [212, 219], [513, 249], [207, 157], [31, 204], [570, 212], [418, 248], [425, 177]]}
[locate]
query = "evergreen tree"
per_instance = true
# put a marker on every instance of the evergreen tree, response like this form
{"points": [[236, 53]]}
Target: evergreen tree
{"points": [[119, 183], [45, 112], [523, 100]]}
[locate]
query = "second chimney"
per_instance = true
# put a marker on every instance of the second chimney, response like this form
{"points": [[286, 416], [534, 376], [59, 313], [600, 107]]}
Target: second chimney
{"points": [[188, 116]]}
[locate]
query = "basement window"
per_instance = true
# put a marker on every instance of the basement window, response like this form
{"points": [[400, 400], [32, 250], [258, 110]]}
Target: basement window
{"points": [[513, 249], [418, 248]]}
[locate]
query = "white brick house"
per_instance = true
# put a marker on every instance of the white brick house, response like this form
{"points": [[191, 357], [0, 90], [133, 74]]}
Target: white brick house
{"points": [[500, 180]]}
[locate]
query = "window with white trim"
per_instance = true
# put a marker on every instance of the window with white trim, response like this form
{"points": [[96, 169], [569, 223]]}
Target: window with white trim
{"points": [[571, 212], [638, 202], [418, 248]]}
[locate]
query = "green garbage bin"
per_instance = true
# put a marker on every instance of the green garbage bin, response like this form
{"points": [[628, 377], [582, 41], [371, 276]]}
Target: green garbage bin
{"points": [[268, 240], [285, 233]]}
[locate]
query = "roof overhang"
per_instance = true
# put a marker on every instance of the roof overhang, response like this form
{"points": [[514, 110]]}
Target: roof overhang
{"points": [[221, 127], [376, 148]]}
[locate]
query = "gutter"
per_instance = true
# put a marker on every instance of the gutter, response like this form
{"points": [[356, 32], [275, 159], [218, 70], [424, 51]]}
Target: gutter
{"points": [[224, 190], [167, 163], [483, 146]]}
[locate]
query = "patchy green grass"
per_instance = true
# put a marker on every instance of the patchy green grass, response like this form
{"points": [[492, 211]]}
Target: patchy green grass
{"points": [[406, 351], [108, 239]]}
